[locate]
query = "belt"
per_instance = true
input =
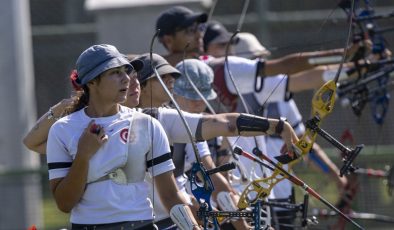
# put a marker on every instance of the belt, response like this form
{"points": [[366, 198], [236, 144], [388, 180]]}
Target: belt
{"points": [[166, 224], [127, 225]]}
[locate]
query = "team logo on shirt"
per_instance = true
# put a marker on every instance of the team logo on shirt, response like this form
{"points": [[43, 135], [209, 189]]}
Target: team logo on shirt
{"points": [[124, 133]]}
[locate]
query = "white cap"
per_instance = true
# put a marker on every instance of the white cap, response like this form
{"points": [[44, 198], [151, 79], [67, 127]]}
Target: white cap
{"points": [[249, 47]]}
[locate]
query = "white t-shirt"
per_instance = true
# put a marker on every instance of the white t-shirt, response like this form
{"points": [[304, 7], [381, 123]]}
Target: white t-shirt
{"points": [[106, 201], [173, 125], [243, 72]]}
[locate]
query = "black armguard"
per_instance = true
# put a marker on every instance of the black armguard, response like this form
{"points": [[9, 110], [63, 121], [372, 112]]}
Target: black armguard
{"points": [[250, 123]]}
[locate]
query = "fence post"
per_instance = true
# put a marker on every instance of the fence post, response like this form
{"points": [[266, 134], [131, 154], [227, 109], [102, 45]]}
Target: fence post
{"points": [[20, 196]]}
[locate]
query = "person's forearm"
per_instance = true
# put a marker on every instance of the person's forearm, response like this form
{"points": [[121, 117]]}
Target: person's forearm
{"points": [[306, 80], [218, 180], [333, 169], [71, 188], [36, 138], [169, 193], [168, 190], [229, 124], [221, 184], [297, 62], [324, 158]]}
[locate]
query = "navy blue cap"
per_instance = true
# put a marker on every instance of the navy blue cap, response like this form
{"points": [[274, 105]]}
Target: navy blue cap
{"points": [[216, 33], [178, 17], [162, 66]]}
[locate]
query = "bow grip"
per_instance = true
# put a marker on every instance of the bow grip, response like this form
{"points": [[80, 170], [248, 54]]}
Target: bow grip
{"points": [[203, 192]]}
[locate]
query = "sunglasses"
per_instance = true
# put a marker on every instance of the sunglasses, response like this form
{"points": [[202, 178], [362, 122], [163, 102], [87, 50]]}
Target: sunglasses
{"points": [[196, 27]]}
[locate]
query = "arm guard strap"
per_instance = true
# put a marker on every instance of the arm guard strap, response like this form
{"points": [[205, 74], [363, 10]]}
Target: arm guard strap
{"points": [[250, 123]]}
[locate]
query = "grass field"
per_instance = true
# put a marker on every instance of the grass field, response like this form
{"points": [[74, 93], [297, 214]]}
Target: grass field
{"points": [[53, 218]]}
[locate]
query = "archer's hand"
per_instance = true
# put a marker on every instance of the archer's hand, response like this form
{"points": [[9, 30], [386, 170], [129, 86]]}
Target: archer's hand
{"points": [[386, 54], [289, 137], [60, 109], [359, 50], [92, 138], [341, 182]]}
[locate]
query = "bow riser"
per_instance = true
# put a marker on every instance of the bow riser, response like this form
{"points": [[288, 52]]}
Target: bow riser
{"points": [[259, 190]]}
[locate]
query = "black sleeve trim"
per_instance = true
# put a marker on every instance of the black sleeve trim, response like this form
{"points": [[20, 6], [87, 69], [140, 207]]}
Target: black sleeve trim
{"points": [[288, 94], [258, 86], [158, 160], [59, 165]]}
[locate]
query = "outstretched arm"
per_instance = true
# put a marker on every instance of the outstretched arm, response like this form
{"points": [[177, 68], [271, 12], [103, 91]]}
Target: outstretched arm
{"points": [[234, 124], [332, 168], [297, 62], [318, 76]]}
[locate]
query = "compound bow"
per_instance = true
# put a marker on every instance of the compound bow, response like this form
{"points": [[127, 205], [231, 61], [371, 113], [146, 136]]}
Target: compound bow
{"points": [[360, 91], [322, 104]]}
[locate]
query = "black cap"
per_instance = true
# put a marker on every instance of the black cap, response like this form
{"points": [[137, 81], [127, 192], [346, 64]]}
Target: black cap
{"points": [[216, 33], [162, 66], [138, 65], [178, 17]]}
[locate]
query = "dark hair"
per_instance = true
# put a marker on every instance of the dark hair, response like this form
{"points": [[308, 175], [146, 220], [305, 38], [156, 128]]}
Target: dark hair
{"points": [[143, 84], [80, 93], [82, 99]]}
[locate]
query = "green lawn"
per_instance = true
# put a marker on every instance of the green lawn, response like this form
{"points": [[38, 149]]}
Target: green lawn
{"points": [[53, 218]]}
